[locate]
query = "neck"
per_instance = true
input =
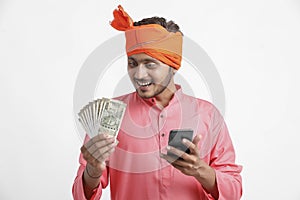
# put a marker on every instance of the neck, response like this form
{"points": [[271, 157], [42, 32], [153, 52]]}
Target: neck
{"points": [[165, 97]]}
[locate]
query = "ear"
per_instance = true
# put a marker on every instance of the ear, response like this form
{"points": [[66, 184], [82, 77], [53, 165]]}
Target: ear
{"points": [[174, 71]]}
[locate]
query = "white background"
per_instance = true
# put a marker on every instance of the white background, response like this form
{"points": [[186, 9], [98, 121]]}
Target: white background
{"points": [[254, 44]]}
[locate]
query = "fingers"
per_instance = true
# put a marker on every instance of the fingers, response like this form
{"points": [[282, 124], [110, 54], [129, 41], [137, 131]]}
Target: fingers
{"points": [[98, 157], [168, 158], [98, 139], [189, 164], [177, 152], [192, 158], [197, 139], [179, 164], [104, 145], [193, 146], [98, 149], [101, 154]]}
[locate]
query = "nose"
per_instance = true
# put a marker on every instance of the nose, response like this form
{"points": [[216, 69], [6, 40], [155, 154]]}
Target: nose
{"points": [[141, 72]]}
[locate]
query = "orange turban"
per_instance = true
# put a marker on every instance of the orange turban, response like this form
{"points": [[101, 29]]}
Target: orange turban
{"points": [[152, 39]]}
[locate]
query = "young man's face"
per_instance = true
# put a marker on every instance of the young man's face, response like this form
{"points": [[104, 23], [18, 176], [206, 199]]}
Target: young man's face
{"points": [[149, 76]]}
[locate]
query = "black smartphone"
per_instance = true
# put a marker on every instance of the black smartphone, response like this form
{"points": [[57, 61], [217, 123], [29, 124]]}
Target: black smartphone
{"points": [[175, 140]]}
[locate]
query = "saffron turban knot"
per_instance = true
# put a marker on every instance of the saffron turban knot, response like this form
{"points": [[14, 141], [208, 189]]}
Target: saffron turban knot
{"points": [[151, 39]]}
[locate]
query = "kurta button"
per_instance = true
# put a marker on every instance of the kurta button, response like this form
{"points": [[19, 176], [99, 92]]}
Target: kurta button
{"points": [[163, 134], [161, 116]]}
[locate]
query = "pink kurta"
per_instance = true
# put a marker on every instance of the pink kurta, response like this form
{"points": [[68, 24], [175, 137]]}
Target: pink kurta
{"points": [[135, 169]]}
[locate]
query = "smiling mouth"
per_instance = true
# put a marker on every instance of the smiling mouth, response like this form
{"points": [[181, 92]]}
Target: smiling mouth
{"points": [[143, 84]]}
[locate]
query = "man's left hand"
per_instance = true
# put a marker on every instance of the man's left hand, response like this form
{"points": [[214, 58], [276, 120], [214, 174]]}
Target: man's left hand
{"points": [[190, 164]]}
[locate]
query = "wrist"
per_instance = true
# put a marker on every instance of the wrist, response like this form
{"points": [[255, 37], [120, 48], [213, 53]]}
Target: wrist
{"points": [[203, 172], [206, 175], [93, 172]]}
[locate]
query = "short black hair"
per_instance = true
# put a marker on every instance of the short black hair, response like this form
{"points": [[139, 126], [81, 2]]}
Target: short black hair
{"points": [[168, 25]]}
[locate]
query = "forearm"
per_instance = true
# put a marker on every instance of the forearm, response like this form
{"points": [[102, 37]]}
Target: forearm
{"points": [[91, 180], [206, 176]]}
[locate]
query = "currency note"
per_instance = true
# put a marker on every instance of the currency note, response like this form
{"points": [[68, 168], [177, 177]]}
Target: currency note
{"points": [[102, 116], [111, 117]]}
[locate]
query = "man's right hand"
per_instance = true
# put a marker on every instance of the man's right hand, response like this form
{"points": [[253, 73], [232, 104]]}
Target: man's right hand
{"points": [[96, 151]]}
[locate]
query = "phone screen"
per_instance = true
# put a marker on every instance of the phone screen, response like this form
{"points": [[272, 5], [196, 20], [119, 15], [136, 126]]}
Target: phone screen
{"points": [[175, 140]]}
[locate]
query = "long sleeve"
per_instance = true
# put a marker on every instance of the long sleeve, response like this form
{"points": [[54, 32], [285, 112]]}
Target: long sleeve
{"points": [[229, 181], [78, 190]]}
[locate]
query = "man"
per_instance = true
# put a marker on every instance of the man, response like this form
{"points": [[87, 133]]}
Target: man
{"points": [[137, 164]]}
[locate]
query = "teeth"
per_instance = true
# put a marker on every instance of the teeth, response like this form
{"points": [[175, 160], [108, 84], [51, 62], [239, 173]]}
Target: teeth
{"points": [[143, 84]]}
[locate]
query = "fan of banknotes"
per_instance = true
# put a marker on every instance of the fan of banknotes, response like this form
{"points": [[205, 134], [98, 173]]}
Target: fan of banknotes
{"points": [[102, 116]]}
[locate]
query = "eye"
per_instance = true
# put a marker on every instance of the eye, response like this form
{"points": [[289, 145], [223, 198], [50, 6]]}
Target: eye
{"points": [[150, 65], [132, 63]]}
